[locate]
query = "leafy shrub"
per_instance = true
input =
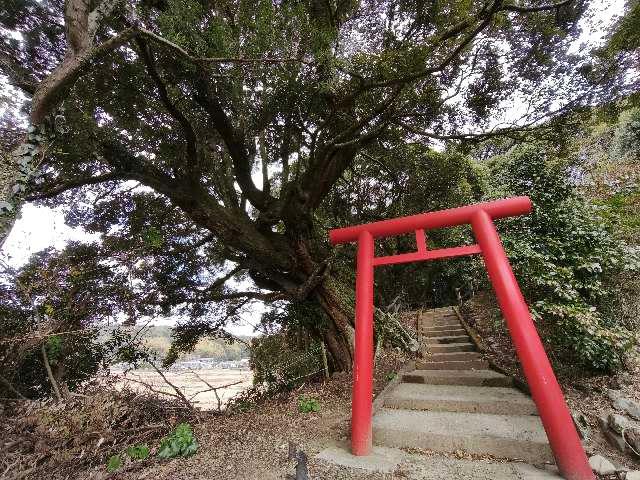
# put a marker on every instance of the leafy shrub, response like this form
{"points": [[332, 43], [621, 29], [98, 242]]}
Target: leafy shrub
{"points": [[563, 256], [179, 443], [308, 405], [283, 360], [626, 140], [114, 463], [280, 364], [138, 452]]}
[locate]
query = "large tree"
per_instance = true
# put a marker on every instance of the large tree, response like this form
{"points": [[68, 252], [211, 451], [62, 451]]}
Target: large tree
{"points": [[201, 139]]}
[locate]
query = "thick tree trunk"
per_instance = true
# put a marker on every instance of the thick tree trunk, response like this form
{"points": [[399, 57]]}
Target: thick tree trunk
{"points": [[339, 336]]}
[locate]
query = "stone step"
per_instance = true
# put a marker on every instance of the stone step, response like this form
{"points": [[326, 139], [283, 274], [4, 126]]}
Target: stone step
{"points": [[452, 347], [440, 316], [444, 333], [487, 378], [386, 461], [440, 310], [460, 398], [440, 328], [447, 339], [439, 323], [509, 436], [453, 365], [451, 356]]}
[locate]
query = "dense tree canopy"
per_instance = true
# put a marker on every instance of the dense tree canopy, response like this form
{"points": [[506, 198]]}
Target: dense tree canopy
{"points": [[204, 141]]}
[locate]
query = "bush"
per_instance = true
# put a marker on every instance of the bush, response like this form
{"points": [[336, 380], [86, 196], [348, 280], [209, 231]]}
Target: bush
{"points": [[308, 405], [180, 443], [114, 463], [138, 452], [564, 256], [281, 364], [626, 140]]}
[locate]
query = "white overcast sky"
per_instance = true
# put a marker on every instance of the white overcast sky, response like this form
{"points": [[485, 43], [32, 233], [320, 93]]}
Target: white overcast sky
{"points": [[41, 227]]}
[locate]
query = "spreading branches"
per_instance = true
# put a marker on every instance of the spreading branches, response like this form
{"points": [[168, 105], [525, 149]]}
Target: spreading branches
{"points": [[234, 139], [187, 128], [538, 8]]}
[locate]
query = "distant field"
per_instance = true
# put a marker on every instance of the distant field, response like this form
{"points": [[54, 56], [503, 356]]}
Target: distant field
{"points": [[192, 386]]}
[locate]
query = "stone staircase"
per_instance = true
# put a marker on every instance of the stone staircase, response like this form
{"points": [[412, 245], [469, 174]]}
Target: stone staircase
{"points": [[453, 401]]}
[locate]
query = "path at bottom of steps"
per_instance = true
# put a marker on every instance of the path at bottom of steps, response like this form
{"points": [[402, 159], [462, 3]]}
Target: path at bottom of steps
{"points": [[392, 463]]}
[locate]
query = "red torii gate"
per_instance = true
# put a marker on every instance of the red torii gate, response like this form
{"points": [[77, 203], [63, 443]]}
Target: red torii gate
{"points": [[556, 418]]}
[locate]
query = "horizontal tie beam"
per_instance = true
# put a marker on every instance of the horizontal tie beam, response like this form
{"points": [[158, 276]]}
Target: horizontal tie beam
{"points": [[420, 256]]}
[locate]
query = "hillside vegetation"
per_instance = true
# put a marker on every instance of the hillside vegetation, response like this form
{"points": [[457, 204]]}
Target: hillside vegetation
{"points": [[158, 340]]}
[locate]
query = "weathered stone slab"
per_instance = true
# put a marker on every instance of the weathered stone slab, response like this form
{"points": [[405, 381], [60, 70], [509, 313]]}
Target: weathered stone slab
{"points": [[601, 465]]}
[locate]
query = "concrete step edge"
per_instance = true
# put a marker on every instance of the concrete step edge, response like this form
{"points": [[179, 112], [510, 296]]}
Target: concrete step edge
{"points": [[461, 398], [446, 356], [454, 332], [506, 436], [449, 347], [446, 340], [439, 327]]}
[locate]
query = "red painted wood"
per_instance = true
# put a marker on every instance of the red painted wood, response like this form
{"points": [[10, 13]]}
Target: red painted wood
{"points": [[427, 255], [565, 443], [362, 395]]}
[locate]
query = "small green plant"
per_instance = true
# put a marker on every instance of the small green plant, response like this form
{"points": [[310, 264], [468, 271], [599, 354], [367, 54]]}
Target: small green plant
{"points": [[114, 463], [243, 406], [391, 376], [180, 443], [138, 452], [308, 405]]}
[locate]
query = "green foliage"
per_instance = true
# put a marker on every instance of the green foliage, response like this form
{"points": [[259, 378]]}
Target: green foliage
{"points": [[114, 463], [626, 35], [54, 348], [282, 361], [138, 452], [626, 140], [563, 255], [334, 91], [179, 443], [308, 405], [410, 179], [134, 452]]}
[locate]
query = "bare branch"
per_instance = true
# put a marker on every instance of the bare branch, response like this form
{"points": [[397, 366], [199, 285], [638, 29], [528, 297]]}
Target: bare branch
{"points": [[11, 388], [76, 183], [47, 365], [221, 281], [76, 18], [187, 128], [176, 389], [52, 89], [18, 75]]}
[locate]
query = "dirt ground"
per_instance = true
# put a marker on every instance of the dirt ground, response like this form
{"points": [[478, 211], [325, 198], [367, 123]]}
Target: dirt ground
{"points": [[74, 440], [586, 395], [255, 444]]}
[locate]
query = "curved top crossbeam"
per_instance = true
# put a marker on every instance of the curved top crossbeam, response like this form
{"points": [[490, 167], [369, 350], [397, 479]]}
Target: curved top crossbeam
{"points": [[508, 207]]}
